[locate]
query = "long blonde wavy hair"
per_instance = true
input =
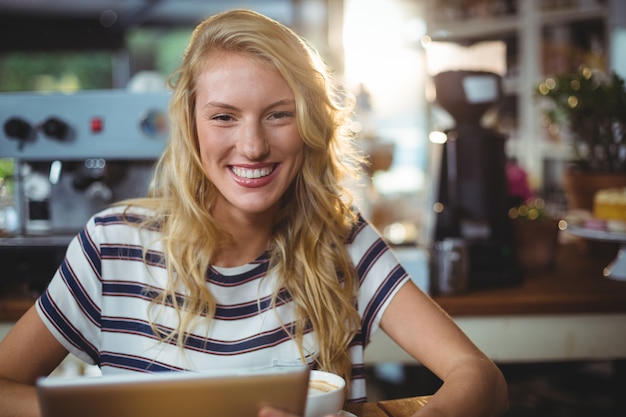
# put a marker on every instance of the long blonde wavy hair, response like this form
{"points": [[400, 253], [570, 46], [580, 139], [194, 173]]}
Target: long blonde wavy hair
{"points": [[307, 249]]}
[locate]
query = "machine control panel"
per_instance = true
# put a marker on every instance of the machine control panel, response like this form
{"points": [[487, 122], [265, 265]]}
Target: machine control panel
{"points": [[99, 123]]}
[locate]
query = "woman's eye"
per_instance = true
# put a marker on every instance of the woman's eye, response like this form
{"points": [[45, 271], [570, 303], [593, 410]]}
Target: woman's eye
{"points": [[222, 117], [281, 114]]}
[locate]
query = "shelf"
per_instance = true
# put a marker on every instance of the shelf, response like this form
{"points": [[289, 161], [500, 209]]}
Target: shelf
{"points": [[498, 27], [556, 150], [573, 15], [43, 241], [475, 29]]}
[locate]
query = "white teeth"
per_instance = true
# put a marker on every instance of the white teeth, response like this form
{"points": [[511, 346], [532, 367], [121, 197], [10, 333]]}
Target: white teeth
{"points": [[252, 173]]}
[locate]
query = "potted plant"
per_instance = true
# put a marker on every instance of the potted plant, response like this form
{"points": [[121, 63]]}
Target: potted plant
{"points": [[589, 109]]}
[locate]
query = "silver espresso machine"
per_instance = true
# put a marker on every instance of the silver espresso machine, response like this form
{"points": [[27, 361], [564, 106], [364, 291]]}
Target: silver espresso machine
{"points": [[72, 155]]}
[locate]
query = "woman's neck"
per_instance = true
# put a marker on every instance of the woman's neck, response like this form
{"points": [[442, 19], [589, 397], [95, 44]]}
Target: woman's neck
{"points": [[250, 238]]}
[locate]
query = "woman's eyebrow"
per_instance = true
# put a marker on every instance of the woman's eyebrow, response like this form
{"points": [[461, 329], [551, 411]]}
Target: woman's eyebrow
{"points": [[287, 101], [220, 105]]}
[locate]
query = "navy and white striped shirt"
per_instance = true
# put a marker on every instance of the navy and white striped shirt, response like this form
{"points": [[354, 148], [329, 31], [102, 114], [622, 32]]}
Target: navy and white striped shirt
{"points": [[98, 301]]}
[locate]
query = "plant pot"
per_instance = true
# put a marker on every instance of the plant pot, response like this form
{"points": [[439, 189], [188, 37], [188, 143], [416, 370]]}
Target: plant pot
{"points": [[535, 244], [580, 187]]}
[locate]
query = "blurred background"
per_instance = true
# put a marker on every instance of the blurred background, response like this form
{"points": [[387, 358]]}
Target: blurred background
{"points": [[77, 64]]}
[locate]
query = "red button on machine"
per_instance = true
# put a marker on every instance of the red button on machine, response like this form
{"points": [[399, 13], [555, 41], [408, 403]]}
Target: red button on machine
{"points": [[96, 125]]}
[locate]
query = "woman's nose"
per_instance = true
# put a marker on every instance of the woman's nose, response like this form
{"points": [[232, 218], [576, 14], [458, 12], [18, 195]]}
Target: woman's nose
{"points": [[253, 142]]}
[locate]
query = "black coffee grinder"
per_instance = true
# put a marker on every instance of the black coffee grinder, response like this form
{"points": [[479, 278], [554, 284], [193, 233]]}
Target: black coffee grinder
{"points": [[473, 192]]}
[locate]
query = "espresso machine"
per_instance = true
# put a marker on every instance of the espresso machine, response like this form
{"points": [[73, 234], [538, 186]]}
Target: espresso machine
{"points": [[72, 155], [472, 192]]}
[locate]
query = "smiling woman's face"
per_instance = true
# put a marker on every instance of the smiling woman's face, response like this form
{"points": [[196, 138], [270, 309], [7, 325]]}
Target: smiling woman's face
{"points": [[247, 131]]}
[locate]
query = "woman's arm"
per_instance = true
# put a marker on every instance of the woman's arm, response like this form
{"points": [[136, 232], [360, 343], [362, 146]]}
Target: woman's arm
{"points": [[472, 384], [27, 352]]}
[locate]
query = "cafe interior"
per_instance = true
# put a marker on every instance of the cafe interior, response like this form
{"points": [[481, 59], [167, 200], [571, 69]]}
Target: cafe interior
{"points": [[469, 174]]}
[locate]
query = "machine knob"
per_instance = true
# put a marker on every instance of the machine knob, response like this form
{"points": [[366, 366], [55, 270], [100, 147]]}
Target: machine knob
{"points": [[17, 128], [55, 128], [99, 192]]}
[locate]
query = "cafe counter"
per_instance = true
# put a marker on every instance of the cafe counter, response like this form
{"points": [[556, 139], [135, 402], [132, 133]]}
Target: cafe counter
{"points": [[569, 312]]}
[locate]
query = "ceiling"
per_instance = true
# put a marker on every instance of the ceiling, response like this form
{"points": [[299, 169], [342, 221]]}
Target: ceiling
{"points": [[44, 24], [140, 11]]}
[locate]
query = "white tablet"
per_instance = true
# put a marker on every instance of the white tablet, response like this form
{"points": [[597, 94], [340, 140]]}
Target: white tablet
{"points": [[238, 393]]}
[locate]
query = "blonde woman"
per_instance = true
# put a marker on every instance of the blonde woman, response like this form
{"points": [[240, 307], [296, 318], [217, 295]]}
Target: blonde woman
{"points": [[247, 252]]}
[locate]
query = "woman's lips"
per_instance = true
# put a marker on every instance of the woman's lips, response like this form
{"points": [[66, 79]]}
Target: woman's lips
{"points": [[251, 173], [253, 177]]}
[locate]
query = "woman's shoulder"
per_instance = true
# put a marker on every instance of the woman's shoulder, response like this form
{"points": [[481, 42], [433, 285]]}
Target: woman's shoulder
{"points": [[124, 217], [362, 229], [129, 213]]}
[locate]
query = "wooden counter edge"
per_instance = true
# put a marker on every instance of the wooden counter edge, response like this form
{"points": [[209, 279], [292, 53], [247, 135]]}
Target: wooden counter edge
{"points": [[402, 407], [11, 309]]}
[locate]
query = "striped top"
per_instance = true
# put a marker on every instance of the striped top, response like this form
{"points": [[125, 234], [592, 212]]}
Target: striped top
{"points": [[98, 304]]}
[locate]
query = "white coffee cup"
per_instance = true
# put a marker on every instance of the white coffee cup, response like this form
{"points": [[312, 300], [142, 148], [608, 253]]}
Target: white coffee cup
{"points": [[326, 394]]}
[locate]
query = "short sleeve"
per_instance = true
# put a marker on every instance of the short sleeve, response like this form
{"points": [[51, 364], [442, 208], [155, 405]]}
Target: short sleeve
{"points": [[380, 276]]}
